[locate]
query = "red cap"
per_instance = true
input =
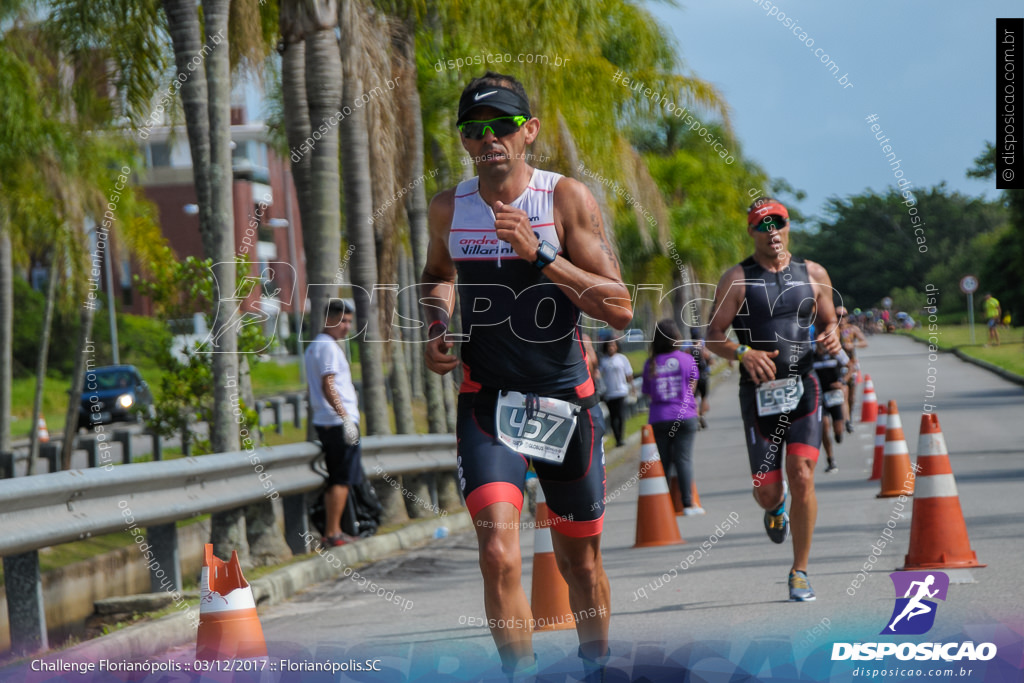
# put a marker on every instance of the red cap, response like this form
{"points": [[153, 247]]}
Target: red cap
{"points": [[765, 210]]}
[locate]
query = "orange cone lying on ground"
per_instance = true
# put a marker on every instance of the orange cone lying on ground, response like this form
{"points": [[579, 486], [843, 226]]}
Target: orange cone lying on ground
{"points": [[897, 472], [655, 518], [549, 597], [229, 627], [938, 533], [876, 464], [42, 433], [869, 404]]}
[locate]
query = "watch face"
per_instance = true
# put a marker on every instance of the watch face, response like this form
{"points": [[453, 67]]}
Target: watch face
{"points": [[546, 253]]}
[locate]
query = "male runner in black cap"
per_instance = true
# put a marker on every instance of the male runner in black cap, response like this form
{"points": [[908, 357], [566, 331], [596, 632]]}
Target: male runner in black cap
{"points": [[530, 253], [769, 299]]}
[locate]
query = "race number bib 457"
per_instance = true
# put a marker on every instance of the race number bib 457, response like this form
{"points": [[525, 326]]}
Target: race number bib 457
{"points": [[545, 435], [779, 396]]}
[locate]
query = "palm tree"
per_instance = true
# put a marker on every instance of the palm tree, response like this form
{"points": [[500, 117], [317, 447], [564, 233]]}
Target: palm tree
{"points": [[44, 347], [358, 192]]}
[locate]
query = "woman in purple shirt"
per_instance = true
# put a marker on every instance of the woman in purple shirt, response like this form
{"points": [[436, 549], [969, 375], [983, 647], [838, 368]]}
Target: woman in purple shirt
{"points": [[670, 375]]}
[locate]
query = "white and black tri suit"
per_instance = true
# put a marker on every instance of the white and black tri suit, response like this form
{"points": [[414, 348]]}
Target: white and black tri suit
{"points": [[776, 314], [523, 336]]}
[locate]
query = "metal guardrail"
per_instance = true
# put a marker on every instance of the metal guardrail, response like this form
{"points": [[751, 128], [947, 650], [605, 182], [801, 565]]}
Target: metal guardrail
{"points": [[50, 509]]}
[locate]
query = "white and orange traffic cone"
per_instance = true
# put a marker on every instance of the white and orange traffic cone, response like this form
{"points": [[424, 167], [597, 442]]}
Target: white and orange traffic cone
{"points": [[655, 517], [549, 596], [677, 496], [938, 533], [869, 404], [229, 627], [676, 493], [876, 464], [897, 472], [42, 433]]}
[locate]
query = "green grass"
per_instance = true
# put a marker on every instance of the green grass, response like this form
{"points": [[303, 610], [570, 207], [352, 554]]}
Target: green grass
{"points": [[1009, 355], [271, 377], [58, 556], [950, 336]]}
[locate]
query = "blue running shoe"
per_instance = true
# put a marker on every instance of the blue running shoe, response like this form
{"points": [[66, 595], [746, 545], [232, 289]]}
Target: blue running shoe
{"points": [[800, 588]]}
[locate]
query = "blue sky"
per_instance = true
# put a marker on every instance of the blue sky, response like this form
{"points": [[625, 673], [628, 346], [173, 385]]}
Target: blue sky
{"points": [[926, 69]]}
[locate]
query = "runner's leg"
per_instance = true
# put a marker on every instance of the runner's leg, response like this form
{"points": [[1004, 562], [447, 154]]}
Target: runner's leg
{"points": [[803, 512], [579, 561], [508, 610]]}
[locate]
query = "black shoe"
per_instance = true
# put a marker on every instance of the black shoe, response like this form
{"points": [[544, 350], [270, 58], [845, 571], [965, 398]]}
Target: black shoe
{"points": [[832, 467], [594, 670], [849, 426], [839, 437], [777, 524]]}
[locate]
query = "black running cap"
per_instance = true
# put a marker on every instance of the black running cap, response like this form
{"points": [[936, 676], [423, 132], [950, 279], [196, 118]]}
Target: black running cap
{"points": [[501, 98]]}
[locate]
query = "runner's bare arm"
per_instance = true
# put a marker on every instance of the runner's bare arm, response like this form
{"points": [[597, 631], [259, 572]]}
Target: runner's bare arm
{"points": [[437, 283], [826, 319], [590, 274], [728, 299], [860, 341]]}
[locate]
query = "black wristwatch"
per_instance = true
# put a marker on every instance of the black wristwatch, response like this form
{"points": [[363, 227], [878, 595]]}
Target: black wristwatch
{"points": [[546, 253]]}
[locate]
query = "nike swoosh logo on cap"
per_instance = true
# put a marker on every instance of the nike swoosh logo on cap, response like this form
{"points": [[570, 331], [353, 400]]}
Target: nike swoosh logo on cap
{"points": [[481, 95]]}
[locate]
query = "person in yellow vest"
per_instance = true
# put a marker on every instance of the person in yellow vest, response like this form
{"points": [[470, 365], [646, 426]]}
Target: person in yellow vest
{"points": [[992, 315]]}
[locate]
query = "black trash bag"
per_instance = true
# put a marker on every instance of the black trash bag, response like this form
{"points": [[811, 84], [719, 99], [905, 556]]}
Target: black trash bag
{"points": [[362, 514]]}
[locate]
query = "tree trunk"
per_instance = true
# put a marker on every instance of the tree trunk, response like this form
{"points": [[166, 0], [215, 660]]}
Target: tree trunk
{"points": [[401, 389], [297, 130], [323, 86], [44, 348], [224, 430], [183, 26], [6, 333], [266, 541], [84, 361], [416, 210], [227, 529], [409, 307], [358, 210]]}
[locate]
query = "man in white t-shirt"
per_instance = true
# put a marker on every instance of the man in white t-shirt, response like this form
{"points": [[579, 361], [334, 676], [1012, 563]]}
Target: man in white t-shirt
{"points": [[335, 406]]}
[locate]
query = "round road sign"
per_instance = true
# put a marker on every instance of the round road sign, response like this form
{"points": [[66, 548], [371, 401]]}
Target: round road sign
{"points": [[969, 284]]}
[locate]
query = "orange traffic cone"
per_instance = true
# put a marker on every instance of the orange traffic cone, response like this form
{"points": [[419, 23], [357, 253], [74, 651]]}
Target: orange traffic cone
{"points": [[655, 518], [229, 627], [696, 497], [549, 597], [876, 465], [677, 495], [897, 472], [42, 433], [938, 533], [869, 404]]}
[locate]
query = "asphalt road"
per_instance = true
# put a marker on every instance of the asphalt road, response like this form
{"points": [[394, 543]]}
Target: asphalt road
{"points": [[726, 612]]}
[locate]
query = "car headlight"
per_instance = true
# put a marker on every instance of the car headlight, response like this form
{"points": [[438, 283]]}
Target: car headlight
{"points": [[125, 401]]}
